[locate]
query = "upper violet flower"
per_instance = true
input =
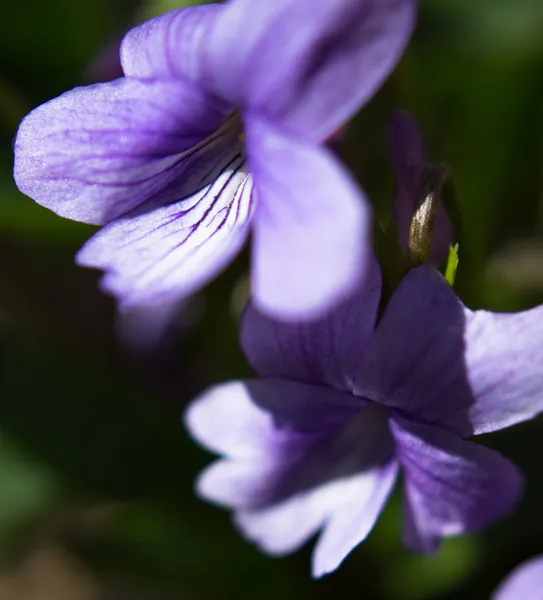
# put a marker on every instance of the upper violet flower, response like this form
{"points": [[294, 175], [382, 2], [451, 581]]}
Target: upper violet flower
{"points": [[218, 125], [524, 583], [346, 401]]}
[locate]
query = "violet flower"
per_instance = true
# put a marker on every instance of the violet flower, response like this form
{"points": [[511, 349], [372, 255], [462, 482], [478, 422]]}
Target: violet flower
{"points": [[524, 583], [217, 126], [345, 402]]}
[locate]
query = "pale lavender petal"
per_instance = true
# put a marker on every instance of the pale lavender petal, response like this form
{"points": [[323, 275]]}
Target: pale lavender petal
{"points": [[408, 156], [326, 351], [96, 152], [239, 484], [170, 45], [452, 486], [340, 481], [416, 361], [311, 245], [504, 356], [346, 508], [351, 523], [524, 583], [285, 527], [298, 457], [160, 254], [258, 419], [305, 65]]}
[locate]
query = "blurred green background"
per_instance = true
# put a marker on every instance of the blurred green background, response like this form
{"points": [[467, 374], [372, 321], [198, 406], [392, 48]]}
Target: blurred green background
{"points": [[96, 472]]}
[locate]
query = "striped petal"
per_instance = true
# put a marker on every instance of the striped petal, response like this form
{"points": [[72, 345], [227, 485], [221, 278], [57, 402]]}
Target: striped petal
{"points": [[161, 253]]}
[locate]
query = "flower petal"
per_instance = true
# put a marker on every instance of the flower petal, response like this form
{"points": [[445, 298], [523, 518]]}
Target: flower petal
{"points": [[414, 538], [416, 361], [285, 527], [159, 254], [347, 509], [284, 496], [524, 583], [96, 152], [452, 486], [298, 457], [170, 45], [437, 361], [307, 66], [327, 350], [311, 220], [408, 157], [257, 419], [504, 354], [351, 523]]}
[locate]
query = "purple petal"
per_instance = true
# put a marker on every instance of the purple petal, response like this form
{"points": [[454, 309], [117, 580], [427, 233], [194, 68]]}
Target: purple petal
{"points": [[326, 351], [524, 583], [469, 372], [415, 538], [307, 66], [170, 45], [408, 157], [161, 254], [504, 354], [452, 486], [416, 362], [97, 152], [257, 419], [311, 220]]}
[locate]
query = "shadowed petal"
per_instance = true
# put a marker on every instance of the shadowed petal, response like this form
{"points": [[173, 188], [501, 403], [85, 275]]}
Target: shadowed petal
{"points": [[524, 583], [307, 66], [504, 356], [416, 361], [311, 246], [452, 486], [170, 45], [97, 152], [257, 419], [161, 254], [469, 372], [406, 148], [327, 350]]}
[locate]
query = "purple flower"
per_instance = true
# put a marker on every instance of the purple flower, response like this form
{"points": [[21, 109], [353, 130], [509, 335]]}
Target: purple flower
{"points": [[216, 127], [347, 401], [523, 583]]}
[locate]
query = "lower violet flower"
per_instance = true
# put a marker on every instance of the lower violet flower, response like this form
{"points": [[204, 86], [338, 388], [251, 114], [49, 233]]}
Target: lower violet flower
{"points": [[347, 401], [524, 583]]}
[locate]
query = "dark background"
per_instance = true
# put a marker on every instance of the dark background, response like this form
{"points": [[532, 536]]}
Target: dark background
{"points": [[96, 471]]}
